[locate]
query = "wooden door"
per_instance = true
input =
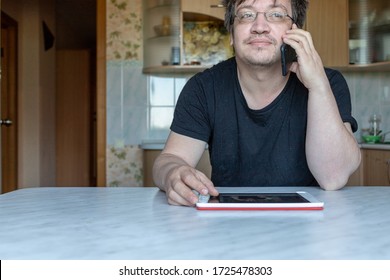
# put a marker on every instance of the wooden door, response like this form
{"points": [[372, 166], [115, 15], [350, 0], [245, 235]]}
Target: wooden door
{"points": [[8, 117], [74, 118]]}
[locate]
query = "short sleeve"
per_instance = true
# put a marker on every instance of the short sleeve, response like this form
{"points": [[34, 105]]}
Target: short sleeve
{"points": [[343, 97], [191, 117]]}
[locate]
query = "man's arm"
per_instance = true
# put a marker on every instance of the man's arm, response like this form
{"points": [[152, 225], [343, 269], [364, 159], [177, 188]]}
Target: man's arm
{"points": [[331, 150], [174, 170]]}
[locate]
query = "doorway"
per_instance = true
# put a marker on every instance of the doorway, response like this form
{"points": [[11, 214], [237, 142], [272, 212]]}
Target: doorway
{"points": [[76, 92], [72, 12], [8, 110]]}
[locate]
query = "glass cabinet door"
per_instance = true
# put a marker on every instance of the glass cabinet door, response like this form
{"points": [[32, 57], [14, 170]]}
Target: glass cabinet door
{"points": [[161, 22], [369, 32]]}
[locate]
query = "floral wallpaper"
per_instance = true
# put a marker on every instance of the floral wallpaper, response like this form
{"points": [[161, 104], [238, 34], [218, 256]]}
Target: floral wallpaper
{"points": [[125, 88], [125, 166], [124, 30]]}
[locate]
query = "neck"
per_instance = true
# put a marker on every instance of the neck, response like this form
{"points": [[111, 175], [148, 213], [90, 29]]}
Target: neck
{"points": [[260, 84]]}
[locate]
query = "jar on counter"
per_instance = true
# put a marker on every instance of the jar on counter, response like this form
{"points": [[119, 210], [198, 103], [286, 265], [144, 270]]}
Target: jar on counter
{"points": [[375, 121]]}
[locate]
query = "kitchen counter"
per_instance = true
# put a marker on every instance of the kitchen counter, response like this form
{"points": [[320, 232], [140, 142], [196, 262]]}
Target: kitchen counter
{"points": [[159, 145], [137, 223], [378, 146], [153, 144]]}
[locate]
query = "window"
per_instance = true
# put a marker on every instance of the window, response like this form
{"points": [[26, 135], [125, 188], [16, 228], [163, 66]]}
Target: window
{"points": [[163, 93]]}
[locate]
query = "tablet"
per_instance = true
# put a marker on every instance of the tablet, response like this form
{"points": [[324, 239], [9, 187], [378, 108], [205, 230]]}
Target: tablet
{"points": [[299, 200]]}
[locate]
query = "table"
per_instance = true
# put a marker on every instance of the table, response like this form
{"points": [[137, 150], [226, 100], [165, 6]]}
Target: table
{"points": [[137, 223]]}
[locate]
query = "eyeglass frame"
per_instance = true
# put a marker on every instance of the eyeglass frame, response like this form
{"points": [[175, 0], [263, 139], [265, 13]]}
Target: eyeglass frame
{"points": [[286, 15]]}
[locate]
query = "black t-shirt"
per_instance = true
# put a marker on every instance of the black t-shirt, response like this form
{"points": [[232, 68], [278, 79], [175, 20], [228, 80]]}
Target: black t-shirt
{"points": [[248, 147]]}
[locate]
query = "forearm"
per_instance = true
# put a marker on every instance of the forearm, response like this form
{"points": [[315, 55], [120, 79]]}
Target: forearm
{"points": [[331, 150]]}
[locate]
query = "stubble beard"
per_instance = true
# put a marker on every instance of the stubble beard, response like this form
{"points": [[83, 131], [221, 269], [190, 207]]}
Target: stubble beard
{"points": [[260, 58]]}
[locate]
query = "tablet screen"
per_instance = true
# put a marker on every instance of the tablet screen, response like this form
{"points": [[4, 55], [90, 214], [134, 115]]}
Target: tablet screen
{"points": [[261, 198]]}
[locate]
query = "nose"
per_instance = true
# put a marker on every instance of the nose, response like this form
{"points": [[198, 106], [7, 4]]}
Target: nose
{"points": [[260, 25]]}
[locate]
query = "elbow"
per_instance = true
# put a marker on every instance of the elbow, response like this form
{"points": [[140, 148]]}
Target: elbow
{"points": [[333, 184], [339, 178]]}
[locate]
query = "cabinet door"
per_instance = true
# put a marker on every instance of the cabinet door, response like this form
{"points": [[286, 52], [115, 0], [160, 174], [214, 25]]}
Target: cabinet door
{"points": [[356, 179], [376, 168], [203, 7], [327, 21]]}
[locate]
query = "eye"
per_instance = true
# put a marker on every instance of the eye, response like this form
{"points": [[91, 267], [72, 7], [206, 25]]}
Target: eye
{"points": [[276, 15], [247, 15]]}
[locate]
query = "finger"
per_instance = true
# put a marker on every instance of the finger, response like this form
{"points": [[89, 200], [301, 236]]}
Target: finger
{"points": [[209, 185], [294, 67], [195, 180], [180, 196], [301, 36]]}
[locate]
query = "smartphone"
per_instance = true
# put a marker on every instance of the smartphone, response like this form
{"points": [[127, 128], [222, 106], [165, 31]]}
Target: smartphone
{"points": [[288, 56]]}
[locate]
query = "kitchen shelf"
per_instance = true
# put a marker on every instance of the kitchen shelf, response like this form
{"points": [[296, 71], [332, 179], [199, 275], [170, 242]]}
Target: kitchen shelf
{"points": [[372, 67], [175, 69]]}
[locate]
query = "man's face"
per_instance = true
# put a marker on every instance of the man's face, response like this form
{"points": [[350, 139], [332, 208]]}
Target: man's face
{"points": [[258, 42]]}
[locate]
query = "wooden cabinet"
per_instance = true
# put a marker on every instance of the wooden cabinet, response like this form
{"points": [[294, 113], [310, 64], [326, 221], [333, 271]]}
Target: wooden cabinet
{"points": [[357, 178], [327, 21], [161, 21], [203, 7], [182, 36], [151, 155], [331, 24], [376, 167]]}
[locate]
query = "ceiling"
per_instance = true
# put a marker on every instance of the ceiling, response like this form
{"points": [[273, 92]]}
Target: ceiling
{"points": [[78, 18]]}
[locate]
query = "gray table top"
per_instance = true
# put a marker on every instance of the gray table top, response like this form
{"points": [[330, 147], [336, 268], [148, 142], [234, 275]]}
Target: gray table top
{"points": [[137, 223]]}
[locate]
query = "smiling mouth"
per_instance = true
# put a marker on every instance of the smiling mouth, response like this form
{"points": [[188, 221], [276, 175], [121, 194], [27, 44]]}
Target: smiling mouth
{"points": [[259, 41]]}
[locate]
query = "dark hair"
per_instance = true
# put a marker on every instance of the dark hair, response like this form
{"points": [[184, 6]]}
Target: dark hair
{"points": [[299, 8]]}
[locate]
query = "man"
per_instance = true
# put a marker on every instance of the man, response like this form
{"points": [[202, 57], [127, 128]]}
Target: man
{"points": [[261, 128]]}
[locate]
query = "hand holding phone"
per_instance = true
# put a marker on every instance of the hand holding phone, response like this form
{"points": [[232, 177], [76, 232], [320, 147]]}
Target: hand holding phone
{"points": [[288, 56]]}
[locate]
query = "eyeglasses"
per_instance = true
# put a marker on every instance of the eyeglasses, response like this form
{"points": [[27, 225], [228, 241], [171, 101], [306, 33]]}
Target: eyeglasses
{"points": [[273, 15]]}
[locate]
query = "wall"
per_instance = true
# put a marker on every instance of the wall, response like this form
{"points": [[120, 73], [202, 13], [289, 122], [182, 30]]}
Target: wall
{"points": [[126, 93], [368, 92], [36, 85]]}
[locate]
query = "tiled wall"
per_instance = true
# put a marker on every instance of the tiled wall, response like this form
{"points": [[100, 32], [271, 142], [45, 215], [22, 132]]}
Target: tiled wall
{"points": [[130, 117], [370, 94]]}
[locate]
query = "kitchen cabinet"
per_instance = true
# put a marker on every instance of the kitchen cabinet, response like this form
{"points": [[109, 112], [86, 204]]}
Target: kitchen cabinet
{"points": [[376, 167], [203, 7], [327, 22], [151, 155], [161, 32], [183, 36], [369, 26], [357, 178], [337, 28], [334, 24]]}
